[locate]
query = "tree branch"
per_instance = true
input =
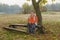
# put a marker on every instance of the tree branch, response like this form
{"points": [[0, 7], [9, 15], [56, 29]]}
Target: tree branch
{"points": [[38, 1], [33, 2]]}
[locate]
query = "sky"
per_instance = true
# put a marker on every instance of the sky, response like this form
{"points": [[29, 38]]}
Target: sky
{"points": [[21, 2]]}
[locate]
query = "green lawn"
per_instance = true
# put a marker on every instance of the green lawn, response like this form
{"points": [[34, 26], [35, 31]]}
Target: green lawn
{"points": [[50, 22]]}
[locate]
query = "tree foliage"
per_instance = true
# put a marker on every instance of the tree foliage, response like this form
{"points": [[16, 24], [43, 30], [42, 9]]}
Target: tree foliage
{"points": [[25, 8]]}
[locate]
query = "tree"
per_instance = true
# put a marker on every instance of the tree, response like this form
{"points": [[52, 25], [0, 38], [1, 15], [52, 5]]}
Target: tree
{"points": [[26, 8], [36, 4], [38, 13]]}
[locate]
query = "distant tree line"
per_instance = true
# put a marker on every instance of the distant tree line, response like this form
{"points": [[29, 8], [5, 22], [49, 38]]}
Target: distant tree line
{"points": [[27, 8], [9, 9], [53, 7], [48, 7]]}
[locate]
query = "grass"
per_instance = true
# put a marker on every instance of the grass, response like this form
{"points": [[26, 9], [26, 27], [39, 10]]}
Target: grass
{"points": [[50, 22]]}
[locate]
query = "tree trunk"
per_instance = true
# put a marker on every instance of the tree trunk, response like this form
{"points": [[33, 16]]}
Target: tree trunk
{"points": [[38, 13]]}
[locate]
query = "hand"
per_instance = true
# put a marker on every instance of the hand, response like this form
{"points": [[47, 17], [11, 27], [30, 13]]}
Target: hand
{"points": [[35, 23]]}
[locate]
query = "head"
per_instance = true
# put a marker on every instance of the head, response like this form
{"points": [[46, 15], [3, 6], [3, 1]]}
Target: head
{"points": [[32, 13]]}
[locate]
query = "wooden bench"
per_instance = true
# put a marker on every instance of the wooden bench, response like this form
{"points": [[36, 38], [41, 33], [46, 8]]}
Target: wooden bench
{"points": [[20, 25], [13, 27]]}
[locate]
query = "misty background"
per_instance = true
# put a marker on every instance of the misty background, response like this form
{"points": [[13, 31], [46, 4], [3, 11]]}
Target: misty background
{"points": [[4, 8]]}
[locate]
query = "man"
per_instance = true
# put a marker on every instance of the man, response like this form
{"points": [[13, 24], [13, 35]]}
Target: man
{"points": [[32, 22]]}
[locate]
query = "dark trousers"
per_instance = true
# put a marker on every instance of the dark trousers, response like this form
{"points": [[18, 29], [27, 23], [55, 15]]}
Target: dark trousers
{"points": [[31, 27]]}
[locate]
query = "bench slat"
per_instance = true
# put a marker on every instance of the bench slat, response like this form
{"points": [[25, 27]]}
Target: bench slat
{"points": [[13, 29], [21, 25]]}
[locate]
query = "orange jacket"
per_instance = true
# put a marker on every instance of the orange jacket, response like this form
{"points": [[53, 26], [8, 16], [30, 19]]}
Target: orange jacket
{"points": [[33, 19]]}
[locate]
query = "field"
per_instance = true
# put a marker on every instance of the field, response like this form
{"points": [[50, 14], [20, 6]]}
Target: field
{"points": [[51, 21]]}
